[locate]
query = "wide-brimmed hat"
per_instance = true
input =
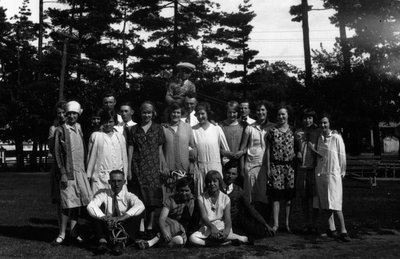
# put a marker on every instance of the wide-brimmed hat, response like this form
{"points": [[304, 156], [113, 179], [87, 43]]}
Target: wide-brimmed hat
{"points": [[186, 65], [73, 106]]}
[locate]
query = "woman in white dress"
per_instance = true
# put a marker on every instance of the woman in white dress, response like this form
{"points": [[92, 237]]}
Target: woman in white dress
{"points": [[215, 211], [330, 169], [107, 152], [210, 143]]}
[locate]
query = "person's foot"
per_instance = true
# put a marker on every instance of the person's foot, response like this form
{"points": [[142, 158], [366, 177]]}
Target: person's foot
{"points": [[60, 240], [101, 248], [344, 237], [308, 230], [118, 248], [250, 241], [274, 230], [142, 244], [332, 233], [288, 230], [76, 240]]}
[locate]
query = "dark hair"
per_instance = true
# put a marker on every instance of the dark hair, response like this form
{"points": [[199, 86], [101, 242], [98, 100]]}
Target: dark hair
{"points": [[173, 106], [206, 107], [106, 115], [234, 105], [60, 105], [117, 172], [214, 175], [185, 181], [233, 163], [109, 94], [97, 113], [309, 113], [329, 117], [268, 106], [191, 94], [126, 104]]}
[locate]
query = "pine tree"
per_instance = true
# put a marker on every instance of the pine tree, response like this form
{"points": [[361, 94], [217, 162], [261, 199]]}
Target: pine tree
{"points": [[173, 35], [234, 32], [18, 75], [376, 26]]}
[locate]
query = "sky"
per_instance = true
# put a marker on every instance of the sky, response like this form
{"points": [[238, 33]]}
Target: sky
{"points": [[274, 35]]}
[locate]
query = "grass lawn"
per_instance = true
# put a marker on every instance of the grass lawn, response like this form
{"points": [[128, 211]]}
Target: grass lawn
{"points": [[28, 225]]}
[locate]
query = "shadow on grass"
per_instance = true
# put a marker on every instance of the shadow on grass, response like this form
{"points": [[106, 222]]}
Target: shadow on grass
{"points": [[35, 233], [38, 221]]}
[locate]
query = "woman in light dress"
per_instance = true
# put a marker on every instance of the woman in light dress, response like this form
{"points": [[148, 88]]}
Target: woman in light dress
{"points": [[210, 143], [330, 169], [107, 152], [179, 147], [253, 144], [215, 211]]}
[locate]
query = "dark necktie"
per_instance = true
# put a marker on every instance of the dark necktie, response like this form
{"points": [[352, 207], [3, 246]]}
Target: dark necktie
{"points": [[115, 208]]}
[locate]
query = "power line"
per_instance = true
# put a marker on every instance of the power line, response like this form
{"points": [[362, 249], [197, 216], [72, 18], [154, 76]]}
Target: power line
{"points": [[291, 40], [297, 31]]}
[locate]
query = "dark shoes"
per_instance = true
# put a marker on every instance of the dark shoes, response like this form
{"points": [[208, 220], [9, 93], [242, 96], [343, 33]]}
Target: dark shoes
{"points": [[332, 233], [309, 231], [101, 248], [142, 244], [118, 248], [58, 241], [344, 237]]}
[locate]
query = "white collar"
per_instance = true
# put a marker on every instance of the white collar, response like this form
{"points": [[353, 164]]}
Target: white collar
{"points": [[230, 189]]}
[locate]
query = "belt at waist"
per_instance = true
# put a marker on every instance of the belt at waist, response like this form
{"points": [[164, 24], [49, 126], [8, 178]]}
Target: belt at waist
{"points": [[282, 162]]}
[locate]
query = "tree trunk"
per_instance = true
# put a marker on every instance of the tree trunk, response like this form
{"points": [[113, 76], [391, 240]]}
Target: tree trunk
{"points": [[19, 151], [40, 39], [33, 156], [175, 37], [63, 68]]}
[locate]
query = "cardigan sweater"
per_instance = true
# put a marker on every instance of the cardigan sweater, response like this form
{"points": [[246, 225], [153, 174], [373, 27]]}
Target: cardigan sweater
{"points": [[62, 150]]}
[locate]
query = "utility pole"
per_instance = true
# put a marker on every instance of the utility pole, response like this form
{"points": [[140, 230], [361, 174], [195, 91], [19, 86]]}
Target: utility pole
{"points": [[306, 42], [40, 40], [343, 39], [175, 37]]}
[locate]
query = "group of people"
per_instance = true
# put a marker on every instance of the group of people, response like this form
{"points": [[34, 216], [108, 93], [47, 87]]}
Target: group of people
{"points": [[191, 179]]}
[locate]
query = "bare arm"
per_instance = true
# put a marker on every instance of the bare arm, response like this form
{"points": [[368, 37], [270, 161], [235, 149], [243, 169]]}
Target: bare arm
{"points": [[163, 164], [243, 147], [227, 220], [206, 221], [130, 156], [161, 222]]}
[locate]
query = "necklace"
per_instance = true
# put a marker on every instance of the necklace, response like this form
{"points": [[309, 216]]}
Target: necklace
{"points": [[214, 204]]}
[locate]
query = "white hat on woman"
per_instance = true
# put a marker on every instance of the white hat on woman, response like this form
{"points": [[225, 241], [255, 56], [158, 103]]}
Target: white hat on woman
{"points": [[73, 106]]}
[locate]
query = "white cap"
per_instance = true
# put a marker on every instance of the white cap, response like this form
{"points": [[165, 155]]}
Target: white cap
{"points": [[73, 106], [186, 65]]}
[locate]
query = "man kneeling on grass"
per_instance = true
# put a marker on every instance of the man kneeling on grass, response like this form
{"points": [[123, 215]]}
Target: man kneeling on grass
{"points": [[120, 216]]}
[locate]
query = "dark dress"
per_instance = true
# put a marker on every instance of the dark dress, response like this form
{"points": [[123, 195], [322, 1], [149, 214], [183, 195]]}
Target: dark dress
{"points": [[281, 163], [146, 162], [183, 217], [243, 216]]}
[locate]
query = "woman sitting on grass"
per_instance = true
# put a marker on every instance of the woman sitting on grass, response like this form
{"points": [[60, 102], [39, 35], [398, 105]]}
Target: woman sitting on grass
{"points": [[215, 212], [179, 216]]}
